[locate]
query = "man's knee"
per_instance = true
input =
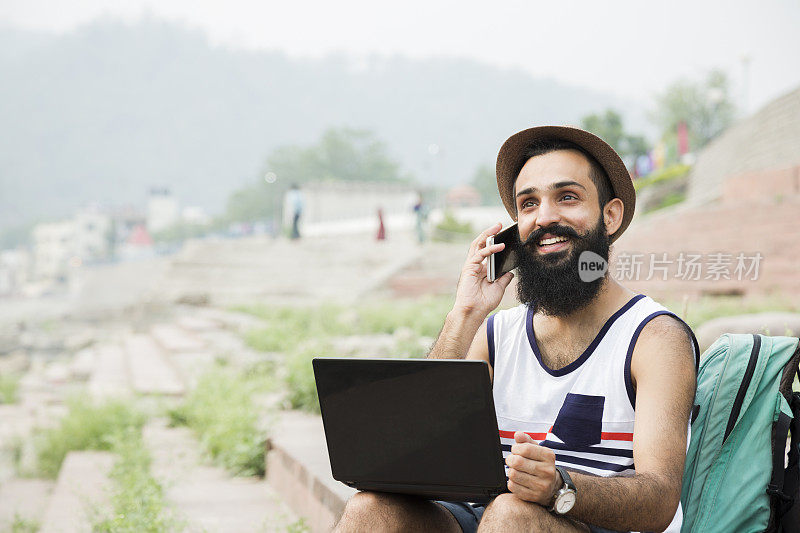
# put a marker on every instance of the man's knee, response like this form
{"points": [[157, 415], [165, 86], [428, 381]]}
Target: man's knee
{"points": [[507, 508], [376, 510], [507, 512]]}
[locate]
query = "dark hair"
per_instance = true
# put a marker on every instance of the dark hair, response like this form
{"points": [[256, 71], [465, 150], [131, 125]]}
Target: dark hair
{"points": [[605, 191]]}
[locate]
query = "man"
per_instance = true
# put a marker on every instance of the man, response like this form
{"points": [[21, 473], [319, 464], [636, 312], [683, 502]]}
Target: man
{"points": [[593, 384], [294, 198]]}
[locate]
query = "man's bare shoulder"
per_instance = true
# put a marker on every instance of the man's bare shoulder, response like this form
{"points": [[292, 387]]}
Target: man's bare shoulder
{"points": [[665, 341], [667, 330]]}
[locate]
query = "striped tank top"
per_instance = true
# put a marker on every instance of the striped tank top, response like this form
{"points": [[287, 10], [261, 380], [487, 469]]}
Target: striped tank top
{"points": [[584, 412]]}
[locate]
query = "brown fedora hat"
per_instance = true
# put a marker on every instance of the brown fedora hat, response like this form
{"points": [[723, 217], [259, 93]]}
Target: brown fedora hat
{"points": [[510, 160]]}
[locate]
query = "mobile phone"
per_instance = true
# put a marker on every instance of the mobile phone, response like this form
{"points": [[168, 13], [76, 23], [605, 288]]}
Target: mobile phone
{"points": [[506, 259]]}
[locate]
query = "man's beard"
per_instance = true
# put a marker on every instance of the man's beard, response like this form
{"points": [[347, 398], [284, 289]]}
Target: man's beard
{"points": [[549, 282]]}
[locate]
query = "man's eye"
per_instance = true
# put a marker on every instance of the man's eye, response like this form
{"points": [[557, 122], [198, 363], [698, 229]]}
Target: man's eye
{"points": [[528, 203], [569, 197]]}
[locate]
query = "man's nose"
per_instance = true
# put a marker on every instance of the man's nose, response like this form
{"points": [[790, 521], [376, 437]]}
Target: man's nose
{"points": [[547, 214]]}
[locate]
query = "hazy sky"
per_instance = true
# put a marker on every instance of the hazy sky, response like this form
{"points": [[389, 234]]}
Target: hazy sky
{"points": [[632, 47]]}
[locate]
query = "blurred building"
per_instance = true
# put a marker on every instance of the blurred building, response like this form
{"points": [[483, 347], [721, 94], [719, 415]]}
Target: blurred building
{"points": [[195, 215], [14, 271], [57, 246], [93, 234], [53, 246], [163, 210], [463, 196], [124, 220], [137, 245], [341, 201]]}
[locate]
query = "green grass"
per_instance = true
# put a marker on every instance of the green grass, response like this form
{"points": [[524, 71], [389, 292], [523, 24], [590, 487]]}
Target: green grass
{"points": [[137, 498], [86, 426], [304, 333], [424, 317], [300, 384], [451, 229], [672, 198], [670, 173], [289, 327], [9, 387], [23, 525], [221, 411]]}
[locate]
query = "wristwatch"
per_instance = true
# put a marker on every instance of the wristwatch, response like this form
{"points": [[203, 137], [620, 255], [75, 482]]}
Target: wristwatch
{"points": [[564, 498]]}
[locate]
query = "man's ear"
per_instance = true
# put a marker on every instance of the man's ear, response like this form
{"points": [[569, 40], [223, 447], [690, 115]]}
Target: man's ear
{"points": [[612, 215]]}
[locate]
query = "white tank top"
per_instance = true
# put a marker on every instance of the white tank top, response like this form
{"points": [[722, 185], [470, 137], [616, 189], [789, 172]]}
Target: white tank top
{"points": [[584, 412]]}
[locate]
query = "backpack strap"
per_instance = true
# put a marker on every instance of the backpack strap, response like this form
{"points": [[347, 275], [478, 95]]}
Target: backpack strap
{"points": [[789, 509], [780, 431], [784, 486]]}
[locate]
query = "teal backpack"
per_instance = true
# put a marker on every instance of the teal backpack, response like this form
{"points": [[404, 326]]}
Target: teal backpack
{"points": [[735, 479]]}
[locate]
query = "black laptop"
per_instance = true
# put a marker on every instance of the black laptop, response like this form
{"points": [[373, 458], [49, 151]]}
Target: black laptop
{"points": [[415, 426]]}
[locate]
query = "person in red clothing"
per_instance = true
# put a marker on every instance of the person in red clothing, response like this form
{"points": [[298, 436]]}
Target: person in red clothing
{"points": [[381, 227]]}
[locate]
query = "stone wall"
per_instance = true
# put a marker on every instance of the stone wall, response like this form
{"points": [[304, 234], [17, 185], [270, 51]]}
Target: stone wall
{"points": [[768, 139], [757, 213]]}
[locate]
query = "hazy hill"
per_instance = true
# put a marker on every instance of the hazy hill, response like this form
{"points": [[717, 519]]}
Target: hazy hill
{"points": [[105, 112]]}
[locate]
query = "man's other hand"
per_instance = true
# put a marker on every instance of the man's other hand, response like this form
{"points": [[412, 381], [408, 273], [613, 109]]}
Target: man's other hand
{"points": [[532, 474], [475, 294]]}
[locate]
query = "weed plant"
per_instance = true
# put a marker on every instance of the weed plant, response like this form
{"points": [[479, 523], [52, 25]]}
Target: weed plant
{"points": [[287, 327], [304, 333], [222, 412], [424, 317], [137, 498], [23, 525], [86, 426], [300, 384], [9, 387]]}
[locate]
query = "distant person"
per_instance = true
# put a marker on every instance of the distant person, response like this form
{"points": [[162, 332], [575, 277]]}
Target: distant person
{"points": [[381, 228], [421, 212], [295, 201]]}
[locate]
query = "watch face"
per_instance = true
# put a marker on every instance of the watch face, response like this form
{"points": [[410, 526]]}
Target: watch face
{"points": [[565, 502]]}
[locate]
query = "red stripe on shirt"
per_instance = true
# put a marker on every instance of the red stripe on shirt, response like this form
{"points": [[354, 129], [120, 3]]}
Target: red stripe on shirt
{"points": [[617, 436], [541, 436], [534, 436]]}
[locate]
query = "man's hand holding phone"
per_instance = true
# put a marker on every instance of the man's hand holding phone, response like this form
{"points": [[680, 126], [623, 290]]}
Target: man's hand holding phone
{"points": [[475, 293]]}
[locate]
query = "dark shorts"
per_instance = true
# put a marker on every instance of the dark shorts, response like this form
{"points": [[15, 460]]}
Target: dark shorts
{"points": [[469, 515]]}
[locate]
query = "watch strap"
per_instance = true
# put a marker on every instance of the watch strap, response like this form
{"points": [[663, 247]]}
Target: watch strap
{"points": [[565, 477]]}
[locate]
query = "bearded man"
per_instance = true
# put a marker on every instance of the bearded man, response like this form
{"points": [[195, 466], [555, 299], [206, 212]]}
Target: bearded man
{"points": [[593, 384]]}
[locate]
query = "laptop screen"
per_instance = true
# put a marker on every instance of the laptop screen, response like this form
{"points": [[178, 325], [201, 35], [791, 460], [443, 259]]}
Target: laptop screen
{"points": [[428, 422]]}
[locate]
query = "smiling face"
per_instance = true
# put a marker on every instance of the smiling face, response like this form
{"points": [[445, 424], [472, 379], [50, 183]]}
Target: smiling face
{"points": [[559, 217], [555, 191]]}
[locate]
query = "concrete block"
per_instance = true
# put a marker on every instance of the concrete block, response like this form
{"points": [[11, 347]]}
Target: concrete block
{"points": [[82, 488]]}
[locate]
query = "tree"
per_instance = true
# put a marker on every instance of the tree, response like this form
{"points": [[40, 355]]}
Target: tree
{"points": [[340, 154], [609, 127], [485, 181], [705, 107]]}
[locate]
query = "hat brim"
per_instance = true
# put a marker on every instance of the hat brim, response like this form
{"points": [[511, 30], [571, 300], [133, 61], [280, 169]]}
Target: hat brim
{"points": [[511, 155]]}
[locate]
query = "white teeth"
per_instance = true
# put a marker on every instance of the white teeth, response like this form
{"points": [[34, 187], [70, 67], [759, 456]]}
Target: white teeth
{"points": [[552, 240]]}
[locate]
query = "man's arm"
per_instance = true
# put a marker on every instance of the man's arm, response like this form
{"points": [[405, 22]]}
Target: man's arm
{"points": [[663, 369], [475, 299]]}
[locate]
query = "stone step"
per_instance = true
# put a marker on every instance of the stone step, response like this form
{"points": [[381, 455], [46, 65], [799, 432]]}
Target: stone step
{"points": [[197, 323], [23, 499], [110, 375], [232, 320], [150, 371], [206, 497], [83, 364], [299, 469], [82, 489], [174, 339]]}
